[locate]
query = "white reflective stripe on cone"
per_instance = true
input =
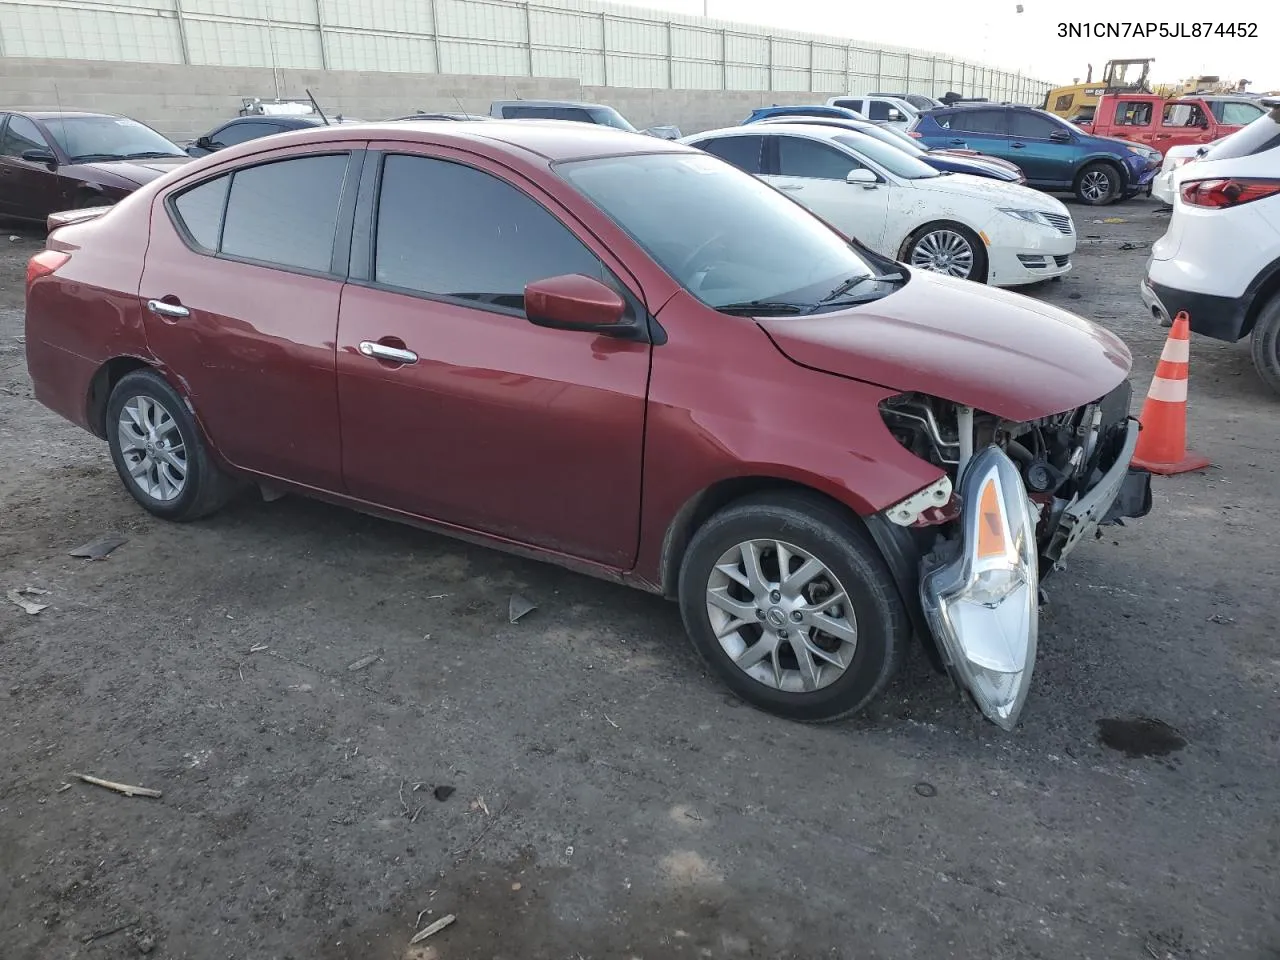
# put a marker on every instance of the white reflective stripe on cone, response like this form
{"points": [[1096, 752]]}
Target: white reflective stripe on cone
{"points": [[1170, 391], [1176, 351]]}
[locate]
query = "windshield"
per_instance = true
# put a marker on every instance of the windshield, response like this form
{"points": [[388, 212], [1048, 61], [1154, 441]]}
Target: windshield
{"points": [[109, 138], [889, 156], [609, 117], [725, 236], [1258, 137]]}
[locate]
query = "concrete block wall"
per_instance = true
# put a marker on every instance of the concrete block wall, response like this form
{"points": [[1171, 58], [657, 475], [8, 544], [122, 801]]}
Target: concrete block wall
{"points": [[183, 102]]}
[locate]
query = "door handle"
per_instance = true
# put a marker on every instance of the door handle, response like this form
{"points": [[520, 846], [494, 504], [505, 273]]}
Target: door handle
{"points": [[175, 311], [789, 186], [957, 142], [1017, 146], [380, 351]]}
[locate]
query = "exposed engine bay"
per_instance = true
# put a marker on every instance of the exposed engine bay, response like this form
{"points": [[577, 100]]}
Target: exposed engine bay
{"points": [[1060, 458]]}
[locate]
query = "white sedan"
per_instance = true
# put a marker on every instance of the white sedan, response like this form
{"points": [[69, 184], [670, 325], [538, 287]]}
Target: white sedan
{"points": [[1175, 158], [964, 226]]}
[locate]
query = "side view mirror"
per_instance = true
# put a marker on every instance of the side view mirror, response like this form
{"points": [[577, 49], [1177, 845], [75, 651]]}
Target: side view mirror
{"points": [[40, 156], [1060, 136], [575, 302], [894, 115], [863, 176], [204, 143]]}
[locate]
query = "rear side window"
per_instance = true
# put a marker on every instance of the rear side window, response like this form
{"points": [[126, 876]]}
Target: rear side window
{"points": [[200, 210], [1133, 113], [283, 213], [1258, 137], [849, 104], [229, 136], [978, 121], [742, 152], [1236, 114], [450, 230]]}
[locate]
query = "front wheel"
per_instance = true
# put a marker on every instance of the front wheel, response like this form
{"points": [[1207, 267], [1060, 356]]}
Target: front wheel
{"points": [[1266, 344], [158, 451], [1098, 184], [947, 248], [790, 603]]}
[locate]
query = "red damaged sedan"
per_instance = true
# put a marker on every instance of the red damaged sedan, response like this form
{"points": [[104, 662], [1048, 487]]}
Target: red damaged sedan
{"points": [[615, 353]]}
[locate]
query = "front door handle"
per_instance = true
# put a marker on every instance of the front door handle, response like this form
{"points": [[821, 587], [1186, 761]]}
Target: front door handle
{"points": [[1017, 146], [957, 142], [380, 351], [175, 311], [790, 186]]}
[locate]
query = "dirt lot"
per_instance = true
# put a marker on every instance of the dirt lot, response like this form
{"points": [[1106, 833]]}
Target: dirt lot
{"points": [[609, 799]]}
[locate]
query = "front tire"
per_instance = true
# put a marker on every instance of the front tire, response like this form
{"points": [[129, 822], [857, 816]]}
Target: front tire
{"points": [[1097, 185], [791, 604], [949, 249], [158, 451], [1266, 344]]}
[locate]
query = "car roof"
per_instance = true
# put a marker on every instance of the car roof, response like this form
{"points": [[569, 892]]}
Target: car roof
{"points": [[551, 140], [815, 130], [62, 114], [547, 103]]}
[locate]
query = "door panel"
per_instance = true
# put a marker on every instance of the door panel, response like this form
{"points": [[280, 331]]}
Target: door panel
{"points": [[523, 432], [1030, 147], [978, 129], [255, 351], [28, 190]]}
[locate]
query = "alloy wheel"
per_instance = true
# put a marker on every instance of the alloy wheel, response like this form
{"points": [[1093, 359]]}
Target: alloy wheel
{"points": [[781, 615], [944, 251], [151, 444], [1095, 185]]}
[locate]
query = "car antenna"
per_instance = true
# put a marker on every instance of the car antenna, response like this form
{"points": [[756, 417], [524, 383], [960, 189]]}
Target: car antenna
{"points": [[459, 103], [316, 107]]}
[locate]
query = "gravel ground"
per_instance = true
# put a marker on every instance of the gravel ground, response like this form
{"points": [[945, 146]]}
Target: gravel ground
{"points": [[573, 785]]}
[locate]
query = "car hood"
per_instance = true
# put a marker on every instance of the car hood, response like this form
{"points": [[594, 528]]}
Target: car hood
{"points": [[137, 171], [997, 192], [980, 346]]}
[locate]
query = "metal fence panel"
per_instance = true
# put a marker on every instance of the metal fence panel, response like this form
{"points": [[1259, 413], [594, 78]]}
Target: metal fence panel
{"points": [[586, 40]]}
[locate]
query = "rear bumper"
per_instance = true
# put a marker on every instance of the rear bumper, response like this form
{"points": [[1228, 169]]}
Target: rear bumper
{"points": [[60, 379], [1220, 318]]}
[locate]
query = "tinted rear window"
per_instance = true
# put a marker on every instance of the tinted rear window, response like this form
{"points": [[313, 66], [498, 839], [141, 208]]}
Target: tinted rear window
{"points": [[976, 121], [286, 212], [742, 152], [200, 210], [1258, 137]]}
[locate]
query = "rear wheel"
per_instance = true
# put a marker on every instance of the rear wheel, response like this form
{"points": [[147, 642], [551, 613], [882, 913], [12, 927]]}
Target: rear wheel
{"points": [[1266, 344], [158, 451], [1098, 184], [947, 248], [790, 603]]}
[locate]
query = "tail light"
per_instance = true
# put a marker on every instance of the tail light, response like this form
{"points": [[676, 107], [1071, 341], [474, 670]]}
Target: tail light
{"points": [[915, 133], [44, 263], [1228, 192]]}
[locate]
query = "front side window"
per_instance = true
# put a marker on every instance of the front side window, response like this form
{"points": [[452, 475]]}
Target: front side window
{"points": [[892, 158], [724, 235], [1031, 126], [1258, 137], [88, 139], [1234, 114], [449, 230], [798, 157], [283, 213], [743, 152], [1184, 115], [848, 104], [21, 135]]}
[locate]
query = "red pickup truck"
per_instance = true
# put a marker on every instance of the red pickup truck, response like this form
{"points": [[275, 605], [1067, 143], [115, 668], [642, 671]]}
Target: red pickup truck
{"points": [[1152, 120]]}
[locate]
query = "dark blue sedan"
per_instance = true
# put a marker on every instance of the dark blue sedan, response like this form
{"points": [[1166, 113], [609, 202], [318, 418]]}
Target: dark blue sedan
{"points": [[977, 165]]}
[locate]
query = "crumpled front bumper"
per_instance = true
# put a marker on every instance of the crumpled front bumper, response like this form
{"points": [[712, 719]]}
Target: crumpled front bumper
{"points": [[980, 594]]}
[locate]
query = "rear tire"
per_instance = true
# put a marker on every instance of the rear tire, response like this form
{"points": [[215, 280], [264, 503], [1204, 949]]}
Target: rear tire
{"points": [[158, 450], [1097, 184], [847, 611], [1266, 343]]}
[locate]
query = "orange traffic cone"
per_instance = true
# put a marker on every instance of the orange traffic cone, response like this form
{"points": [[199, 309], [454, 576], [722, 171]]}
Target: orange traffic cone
{"points": [[1162, 445]]}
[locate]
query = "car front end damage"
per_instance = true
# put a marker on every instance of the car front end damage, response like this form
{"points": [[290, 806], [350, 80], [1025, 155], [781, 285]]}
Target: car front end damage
{"points": [[1016, 500]]}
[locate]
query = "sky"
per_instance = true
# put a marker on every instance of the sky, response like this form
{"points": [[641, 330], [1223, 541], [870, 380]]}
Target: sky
{"points": [[992, 31]]}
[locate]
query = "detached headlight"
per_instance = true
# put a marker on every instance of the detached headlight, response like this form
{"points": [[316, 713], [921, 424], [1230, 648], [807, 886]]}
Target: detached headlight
{"points": [[983, 604], [1030, 216]]}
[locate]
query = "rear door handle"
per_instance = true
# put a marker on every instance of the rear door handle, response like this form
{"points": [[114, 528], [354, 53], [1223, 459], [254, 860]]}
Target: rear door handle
{"points": [[1017, 146], [957, 142], [175, 311], [790, 186], [380, 351]]}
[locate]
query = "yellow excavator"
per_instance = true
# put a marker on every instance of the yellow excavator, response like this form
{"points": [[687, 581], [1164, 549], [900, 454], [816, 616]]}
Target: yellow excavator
{"points": [[1078, 101]]}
